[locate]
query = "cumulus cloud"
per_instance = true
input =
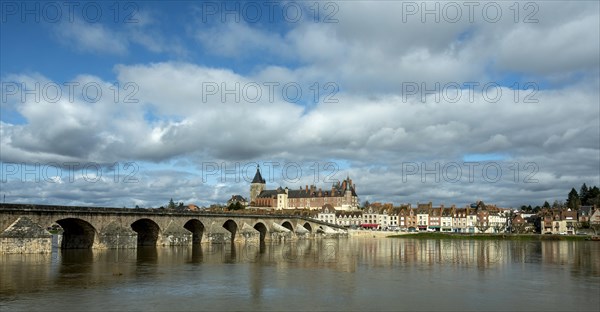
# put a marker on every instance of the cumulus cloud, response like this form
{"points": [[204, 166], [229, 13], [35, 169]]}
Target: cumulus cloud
{"points": [[360, 130], [104, 38], [88, 37], [189, 113]]}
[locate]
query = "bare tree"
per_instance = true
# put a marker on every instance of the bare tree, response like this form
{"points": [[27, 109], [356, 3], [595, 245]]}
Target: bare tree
{"points": [[499, 227], [482, 226], [518, 228], [595, 227]]}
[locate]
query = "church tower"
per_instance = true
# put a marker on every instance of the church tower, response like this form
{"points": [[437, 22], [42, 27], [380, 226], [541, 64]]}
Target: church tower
{"points": [[257, 185]]}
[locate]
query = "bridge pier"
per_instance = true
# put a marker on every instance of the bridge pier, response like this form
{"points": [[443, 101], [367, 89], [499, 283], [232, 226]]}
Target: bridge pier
{"points": [[25, 236], [217, 234], [280, 233], [116, 236], [250, 234], [176, 235]]}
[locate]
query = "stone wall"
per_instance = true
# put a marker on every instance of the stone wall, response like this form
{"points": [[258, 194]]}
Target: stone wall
{"points": [[25, 236]]}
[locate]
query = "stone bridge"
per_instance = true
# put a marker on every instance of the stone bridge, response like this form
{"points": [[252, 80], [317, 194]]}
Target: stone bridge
{"points": [[24, 228]]}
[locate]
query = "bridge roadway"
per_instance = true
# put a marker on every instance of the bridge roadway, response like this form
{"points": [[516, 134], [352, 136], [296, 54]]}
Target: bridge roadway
{"points": [[24, 228]]}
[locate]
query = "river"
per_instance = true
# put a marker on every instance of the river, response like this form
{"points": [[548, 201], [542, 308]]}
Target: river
{"points": [[366, 274]]}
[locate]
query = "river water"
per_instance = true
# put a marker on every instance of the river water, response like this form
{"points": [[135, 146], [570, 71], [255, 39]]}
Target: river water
{"points": [[367, 274]]}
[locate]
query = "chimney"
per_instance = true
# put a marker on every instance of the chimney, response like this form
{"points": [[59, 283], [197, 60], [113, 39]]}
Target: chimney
{"points": [[306, 188]]}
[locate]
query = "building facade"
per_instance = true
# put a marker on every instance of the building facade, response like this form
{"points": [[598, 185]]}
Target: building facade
{"points": [[342, 196]]}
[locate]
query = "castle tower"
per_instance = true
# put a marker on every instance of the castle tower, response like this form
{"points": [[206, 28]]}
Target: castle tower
{"points": [[257, 185]]}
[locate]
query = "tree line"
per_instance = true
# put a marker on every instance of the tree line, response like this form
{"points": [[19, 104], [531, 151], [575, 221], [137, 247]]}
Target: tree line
{"points": [[587, 196]]}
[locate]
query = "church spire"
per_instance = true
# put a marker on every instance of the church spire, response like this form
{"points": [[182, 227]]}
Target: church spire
{"points": [[258, 177]]}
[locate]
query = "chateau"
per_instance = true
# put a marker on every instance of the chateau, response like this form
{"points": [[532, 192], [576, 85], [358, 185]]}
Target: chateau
{"points": [[341, 196]]}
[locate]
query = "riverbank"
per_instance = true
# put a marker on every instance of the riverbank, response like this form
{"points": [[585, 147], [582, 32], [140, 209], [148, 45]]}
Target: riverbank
{"points": [[370, 233], [493, 236]]}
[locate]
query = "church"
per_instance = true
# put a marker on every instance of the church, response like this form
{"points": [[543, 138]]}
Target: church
{"points": [[342, 196]]}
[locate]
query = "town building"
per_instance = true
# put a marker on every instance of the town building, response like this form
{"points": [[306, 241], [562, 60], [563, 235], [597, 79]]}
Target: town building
{"points": [[424, 217], [341, 196], [446, 219], [595, 216], [237, 199], [559, 221]]}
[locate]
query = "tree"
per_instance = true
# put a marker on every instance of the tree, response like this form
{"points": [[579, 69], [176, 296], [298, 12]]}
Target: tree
{"points": [[595, 227], [482, 226], [557, 204], [593, 196], [499, 227], [482, 223], [481, 205], [577, 226], [546, 205], [366, 204], [534, 224], [583, 194], [573, 200], [171, 204], [235, 206], [518, 228]]}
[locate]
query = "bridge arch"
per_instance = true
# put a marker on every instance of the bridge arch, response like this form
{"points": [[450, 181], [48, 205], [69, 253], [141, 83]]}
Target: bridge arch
{"points": [[288, 225], [307, 226], [262, 229], [147, 232], [232, 227], [197, 228], [77, 233]]}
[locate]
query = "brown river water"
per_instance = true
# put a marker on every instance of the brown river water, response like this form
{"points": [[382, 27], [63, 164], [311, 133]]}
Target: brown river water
{"points": [[362, 274]]}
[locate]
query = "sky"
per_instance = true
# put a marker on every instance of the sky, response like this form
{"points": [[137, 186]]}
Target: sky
{"points": [[121, 104]]}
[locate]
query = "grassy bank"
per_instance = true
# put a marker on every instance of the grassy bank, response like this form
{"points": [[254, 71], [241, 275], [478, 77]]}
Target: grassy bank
{"points": [[494, 236]]}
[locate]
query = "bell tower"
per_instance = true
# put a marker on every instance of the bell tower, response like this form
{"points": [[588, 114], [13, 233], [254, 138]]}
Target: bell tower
{"points": [[257, 185]]}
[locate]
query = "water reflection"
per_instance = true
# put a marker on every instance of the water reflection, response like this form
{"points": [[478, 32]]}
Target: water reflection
{"points": [[197, 256], [20, 272], [328, 271]]}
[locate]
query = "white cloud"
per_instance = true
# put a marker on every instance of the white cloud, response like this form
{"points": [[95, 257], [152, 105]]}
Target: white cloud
{"points": [[571, 46], [358, 129], [89, 37], [239, 40], [372, 127]]}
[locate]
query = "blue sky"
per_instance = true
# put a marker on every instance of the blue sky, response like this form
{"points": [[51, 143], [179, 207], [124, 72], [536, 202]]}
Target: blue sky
{"points": [[172, 116]]}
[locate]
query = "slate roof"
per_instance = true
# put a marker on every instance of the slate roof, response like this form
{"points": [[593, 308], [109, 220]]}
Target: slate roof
{"points": [[335, 191], [258, 177], [238, 198], [585, 210]]}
